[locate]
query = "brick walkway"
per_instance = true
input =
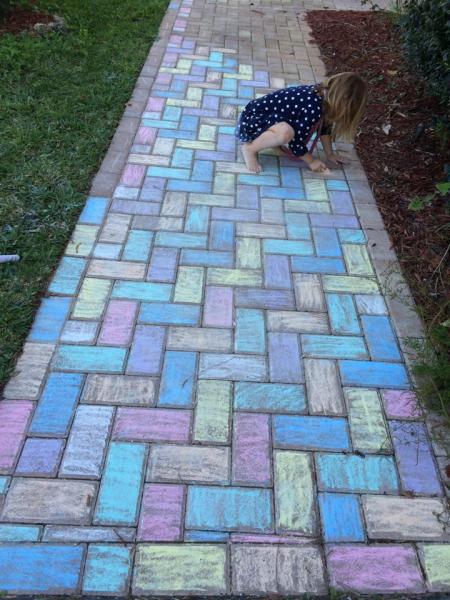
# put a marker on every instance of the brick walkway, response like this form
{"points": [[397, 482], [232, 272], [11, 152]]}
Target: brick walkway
{"points": [[213, 397]]}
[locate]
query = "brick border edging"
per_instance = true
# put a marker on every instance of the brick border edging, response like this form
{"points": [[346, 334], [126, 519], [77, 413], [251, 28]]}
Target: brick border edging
{"points": [[108, 175]]}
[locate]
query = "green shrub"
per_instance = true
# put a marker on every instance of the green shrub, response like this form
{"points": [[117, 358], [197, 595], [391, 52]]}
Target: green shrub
{"points": [[425, 27], [5, 7]]}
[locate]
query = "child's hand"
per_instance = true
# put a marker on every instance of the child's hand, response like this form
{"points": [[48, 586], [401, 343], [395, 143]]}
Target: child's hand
{"points": [[319, 167], [335, 159]]}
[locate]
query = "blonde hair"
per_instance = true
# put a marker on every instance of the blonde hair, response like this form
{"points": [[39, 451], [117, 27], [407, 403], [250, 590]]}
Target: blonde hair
{"points": [[344, 103]]}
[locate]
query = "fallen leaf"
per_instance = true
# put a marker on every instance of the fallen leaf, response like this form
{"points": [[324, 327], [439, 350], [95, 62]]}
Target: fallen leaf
{"points": [[386, 128], [391, 72]]}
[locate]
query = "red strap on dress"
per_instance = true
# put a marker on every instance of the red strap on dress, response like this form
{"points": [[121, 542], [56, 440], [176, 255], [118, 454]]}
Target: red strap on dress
{"points": [[317, 127]]}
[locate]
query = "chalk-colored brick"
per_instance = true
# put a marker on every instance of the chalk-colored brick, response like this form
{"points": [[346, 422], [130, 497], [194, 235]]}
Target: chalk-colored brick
{"points": [[195, 464]]}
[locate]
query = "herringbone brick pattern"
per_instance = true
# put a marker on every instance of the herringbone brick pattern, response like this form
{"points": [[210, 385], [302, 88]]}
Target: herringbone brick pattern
{"points": [[213, 398]]}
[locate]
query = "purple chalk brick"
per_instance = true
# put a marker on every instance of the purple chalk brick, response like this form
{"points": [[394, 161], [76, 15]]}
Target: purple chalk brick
{"points": [[218, 307], [161, 513], [14, 418], [155, 103], [117, 326], [133, 175], [284, 358], [40, 457], [247, 196], [341, 203], [375, 569], [163, 265], [277, 272], [251, 448], [145, 135], [401, 404], [146, 350], [152, 424]]}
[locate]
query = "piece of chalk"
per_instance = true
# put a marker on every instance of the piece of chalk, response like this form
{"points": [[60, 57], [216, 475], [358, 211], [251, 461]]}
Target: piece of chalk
{"points": [[4, 258]]}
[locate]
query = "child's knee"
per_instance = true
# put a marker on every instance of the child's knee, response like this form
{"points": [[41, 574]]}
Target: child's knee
{"points": [[285, 132]]}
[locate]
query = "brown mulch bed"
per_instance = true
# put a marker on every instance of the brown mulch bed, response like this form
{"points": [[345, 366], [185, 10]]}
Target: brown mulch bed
{"points": [[22, 18], [403, 163]]}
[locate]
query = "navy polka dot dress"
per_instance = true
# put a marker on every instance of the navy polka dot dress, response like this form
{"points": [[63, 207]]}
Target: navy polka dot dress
{"points": [[300, 106]]}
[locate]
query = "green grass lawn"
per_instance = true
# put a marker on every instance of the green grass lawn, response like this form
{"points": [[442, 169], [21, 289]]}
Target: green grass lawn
{"points": [[62, 97]]}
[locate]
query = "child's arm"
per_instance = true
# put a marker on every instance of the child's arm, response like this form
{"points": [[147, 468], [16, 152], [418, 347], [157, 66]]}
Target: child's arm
{"points": [[314, 164], [328, 149]]}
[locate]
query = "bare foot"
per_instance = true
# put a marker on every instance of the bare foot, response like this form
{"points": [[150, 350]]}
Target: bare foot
{"points": [[250, 159]]}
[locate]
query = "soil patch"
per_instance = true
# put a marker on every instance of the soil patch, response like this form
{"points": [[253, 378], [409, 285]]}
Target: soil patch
{"points": [[397, 146], [22, 18]]}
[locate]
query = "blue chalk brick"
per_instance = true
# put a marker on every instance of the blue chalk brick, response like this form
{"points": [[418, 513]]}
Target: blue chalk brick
{"points": [[222, 235], [250, 333], [298, 226], [342, 313], [42, 568], [55, 409], [50, 319], [216, 56], [229, 84], [245, 92], [333, 346], [159, 124], [223, 93], [92, 359], [291, 177], [138, 245], [180, 240], [312, 433], [203, 170], [68, 275], [4, 482], [373, 374], [19, 533], [352, 236], [380, 338], [351, 473], [197, 219], [107, 569], [172, 113], [230, 62], [120, 490], [168, 172], [206, 536], [189, 122], [182, 157], [317, 265], [291, 247], [178, 134], [337, 185], [201, 187], [341, 518], [327, 243], [166, 94], [206, 258], [94, 210], [283, 193], [141, 290], [258, 179], [177, 379], [228, 508], [269, 397], [178, 85], [169, 314]]}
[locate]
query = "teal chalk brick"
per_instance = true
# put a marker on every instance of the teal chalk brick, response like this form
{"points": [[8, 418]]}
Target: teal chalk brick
{"points": [[201, 187], [172, 113], [310, 433], [50, 319], [380, 338], [120, 490], [169, 314], [326, 242], [290, 247], [350, 473], [228, 509], [4, 482], [373, 374], [107, 569], [68, 275], [177, 380], [207, 258], [317, 265], [227, 130], [138, 245], [94, 210], [55, 409], [342, 313], [333, 346], [206, 536], [197, 219], [92, 359], [337, 185], [160, 124], [19, 533], [352, 236], [269, 397], [182, 157], [40, 568], [181, 240], [203, 170], [168, 173], [141, 290], [283, 193], [250, 331], [258, 179], [297, 225], [341, 518]]}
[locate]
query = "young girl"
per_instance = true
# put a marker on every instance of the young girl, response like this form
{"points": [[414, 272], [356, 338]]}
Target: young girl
{"points": [[289, 116]]}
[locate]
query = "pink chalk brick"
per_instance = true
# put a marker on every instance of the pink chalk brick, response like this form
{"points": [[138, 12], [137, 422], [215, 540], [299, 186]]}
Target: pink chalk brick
{"points": [[218, 307], [155, 104], [161, 513], [251, 447], [401, 404], [145, 135], [14, 416], [375, 569], [175, 40], [117, 326], [133, 175], [163, 79], [152, 424]]}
